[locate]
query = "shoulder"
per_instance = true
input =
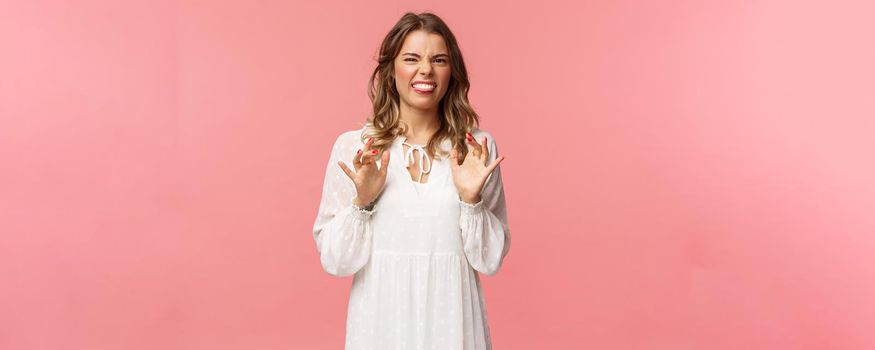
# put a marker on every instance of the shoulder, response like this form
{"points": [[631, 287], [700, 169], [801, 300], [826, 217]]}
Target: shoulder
{"points": [[479, 134], [349, 140]]}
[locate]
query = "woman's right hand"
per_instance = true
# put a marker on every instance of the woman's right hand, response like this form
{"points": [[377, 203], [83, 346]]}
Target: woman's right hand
{"points": [[369, 180]]}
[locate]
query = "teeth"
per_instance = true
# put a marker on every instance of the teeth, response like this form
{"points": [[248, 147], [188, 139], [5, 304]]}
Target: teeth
{"points": [[424, 86]]}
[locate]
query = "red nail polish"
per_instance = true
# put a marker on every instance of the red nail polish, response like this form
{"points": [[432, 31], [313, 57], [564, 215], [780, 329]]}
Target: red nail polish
{"points": [[374, 152]]}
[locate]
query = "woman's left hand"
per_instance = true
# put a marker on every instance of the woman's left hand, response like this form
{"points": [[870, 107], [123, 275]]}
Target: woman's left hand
{"points": [[471, 175]]}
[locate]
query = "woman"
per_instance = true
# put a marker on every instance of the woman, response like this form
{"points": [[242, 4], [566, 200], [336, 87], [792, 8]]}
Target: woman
{"points": [[421, 210]]}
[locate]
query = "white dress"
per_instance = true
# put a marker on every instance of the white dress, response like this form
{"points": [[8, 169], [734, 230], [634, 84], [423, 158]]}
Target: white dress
{"points": [[415, 254]]}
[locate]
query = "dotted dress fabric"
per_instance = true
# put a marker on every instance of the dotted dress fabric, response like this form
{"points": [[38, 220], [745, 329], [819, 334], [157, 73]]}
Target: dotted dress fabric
{"points": [[416, 256]]}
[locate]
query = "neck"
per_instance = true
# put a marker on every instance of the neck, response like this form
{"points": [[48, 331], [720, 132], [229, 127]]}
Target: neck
{"points": [[421, 124]]}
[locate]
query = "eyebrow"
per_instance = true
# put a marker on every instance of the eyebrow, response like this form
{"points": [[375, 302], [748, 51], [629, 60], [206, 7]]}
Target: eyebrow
{"points": [[435, 56]]}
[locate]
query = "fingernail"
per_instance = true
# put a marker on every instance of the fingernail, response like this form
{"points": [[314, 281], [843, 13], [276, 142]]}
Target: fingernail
{"points": [[374, 152]]}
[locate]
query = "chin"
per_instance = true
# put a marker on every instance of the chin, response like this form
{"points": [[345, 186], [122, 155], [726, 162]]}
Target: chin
{"points": [[424, 105]]}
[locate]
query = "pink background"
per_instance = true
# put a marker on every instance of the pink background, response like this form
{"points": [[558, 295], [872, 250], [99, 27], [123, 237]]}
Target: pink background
{"points": [[679, 174]]}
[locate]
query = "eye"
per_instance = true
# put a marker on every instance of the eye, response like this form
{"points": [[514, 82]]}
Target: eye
{"points": [[441, 60], [409, 59]]}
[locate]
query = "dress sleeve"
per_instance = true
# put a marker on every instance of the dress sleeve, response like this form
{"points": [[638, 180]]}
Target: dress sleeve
{"points": [[485, 234], [342, 231]]}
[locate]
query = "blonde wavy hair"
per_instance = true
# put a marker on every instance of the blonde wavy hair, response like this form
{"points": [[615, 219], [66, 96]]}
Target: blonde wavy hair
{"points": [[455, 112]]}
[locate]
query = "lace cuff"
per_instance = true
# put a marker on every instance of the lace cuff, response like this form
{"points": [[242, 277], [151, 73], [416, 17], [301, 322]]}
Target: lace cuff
{"points": [[468, 208], [362, 213]]}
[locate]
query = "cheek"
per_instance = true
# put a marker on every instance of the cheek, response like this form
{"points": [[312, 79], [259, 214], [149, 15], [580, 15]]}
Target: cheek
{"points": [[444, 73], [399, 84], [403, 73], [445, 78], [402, 77]]}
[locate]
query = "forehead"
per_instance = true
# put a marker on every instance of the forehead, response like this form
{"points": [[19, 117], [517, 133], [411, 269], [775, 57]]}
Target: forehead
{"points": [[420, 42]]}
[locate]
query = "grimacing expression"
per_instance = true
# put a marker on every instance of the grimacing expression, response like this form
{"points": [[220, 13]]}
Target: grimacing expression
{"points": [[422, 70]]}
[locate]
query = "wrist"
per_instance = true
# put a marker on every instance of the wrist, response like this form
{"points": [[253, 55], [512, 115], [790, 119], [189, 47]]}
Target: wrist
{"points": [[367, 205], [470, 199]]}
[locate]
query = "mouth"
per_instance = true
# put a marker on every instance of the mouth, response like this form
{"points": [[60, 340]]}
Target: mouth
{"points": [[424, 87]]}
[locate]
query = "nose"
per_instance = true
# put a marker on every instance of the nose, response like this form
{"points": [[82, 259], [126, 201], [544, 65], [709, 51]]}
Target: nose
{"points": [[425, 68]]}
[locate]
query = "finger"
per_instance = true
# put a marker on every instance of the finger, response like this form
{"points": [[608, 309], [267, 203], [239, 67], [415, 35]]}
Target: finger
{"points": [[454, 156], [485, 148], [357, 160], [369, 157], [494, 164], [366, 148], [475, 147], [346, 169], [384, 164], [368, 144]]}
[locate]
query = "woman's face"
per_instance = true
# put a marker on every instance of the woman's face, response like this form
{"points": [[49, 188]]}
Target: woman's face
{"points": [[422, 70]]}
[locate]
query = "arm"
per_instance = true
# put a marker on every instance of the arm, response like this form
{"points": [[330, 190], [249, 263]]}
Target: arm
{"points": [[485, 233], [342, 231]]}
